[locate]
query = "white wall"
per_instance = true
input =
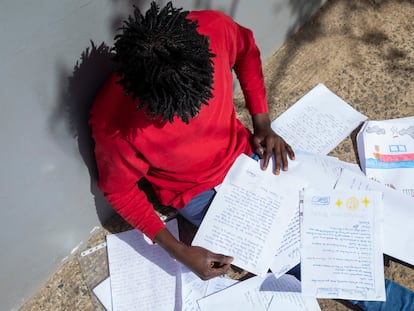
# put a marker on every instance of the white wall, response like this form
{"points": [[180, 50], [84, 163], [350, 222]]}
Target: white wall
{"points": [[51, 65]]}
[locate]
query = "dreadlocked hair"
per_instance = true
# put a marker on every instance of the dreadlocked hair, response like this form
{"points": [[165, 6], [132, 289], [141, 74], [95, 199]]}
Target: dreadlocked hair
{"points": [[164, 62]]}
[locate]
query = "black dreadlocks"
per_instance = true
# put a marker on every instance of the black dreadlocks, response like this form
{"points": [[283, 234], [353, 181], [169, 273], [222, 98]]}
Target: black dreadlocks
{"points": [[164, 62]]}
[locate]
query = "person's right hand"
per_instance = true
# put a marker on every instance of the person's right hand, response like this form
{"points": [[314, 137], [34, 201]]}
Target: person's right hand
{"points": [[202, 262]]}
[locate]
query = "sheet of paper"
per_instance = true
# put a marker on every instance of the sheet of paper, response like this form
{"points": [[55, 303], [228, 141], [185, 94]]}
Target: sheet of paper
{"points": [[193, 288], [261, 293], [398, 215], [342, 245], [249, 215], [386, 149], [287, 255], [318, 121], [103, 293], [142, 274]]}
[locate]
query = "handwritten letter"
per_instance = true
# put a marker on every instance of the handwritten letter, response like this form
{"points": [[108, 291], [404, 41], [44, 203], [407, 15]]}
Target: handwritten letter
{"points": [[341, 245], [317, 122], [249, 215], [143, 275]]}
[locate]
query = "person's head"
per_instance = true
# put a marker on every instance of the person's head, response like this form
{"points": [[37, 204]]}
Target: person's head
{"points": [[164, 62]]}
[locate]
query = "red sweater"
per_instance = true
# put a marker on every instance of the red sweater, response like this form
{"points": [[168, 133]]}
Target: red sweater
{"points": [[180, 160]]}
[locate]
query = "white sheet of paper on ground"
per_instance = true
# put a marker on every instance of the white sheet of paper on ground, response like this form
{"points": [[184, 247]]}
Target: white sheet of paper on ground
{"points": [[103, 293], [261, 293], [143, 276], [342, 245], [249, 215], [398, 215], [318, 121], [386, 150], [193, 288]]}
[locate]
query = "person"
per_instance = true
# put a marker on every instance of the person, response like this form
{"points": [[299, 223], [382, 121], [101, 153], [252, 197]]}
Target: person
{"points": [[167, 114]]}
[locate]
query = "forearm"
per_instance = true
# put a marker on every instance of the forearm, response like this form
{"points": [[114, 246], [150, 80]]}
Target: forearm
{"points": [[199, 260], [172, 246]]}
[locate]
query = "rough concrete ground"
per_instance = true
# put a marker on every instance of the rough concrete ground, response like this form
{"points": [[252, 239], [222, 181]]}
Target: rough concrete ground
{"points": [[362, 50]]}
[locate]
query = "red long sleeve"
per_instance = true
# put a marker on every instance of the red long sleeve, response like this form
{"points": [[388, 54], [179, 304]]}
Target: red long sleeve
{"points": [[180, 160]]}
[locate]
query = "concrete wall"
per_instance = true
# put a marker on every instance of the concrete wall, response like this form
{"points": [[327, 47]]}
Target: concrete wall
{"points": [[52, 64]]}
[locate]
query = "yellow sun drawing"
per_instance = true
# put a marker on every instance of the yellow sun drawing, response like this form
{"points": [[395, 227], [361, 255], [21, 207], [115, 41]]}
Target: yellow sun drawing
{"points": [[352, 203]]}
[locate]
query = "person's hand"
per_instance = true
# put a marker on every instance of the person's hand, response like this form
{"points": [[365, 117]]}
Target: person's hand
{"points": [[205, 264], [202, 262], [266, 142]]}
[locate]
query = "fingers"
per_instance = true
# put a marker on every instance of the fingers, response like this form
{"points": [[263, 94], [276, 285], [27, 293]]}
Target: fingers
{"points": [[219, 264], [281, 151], [219, 260], [257, 146], [273, 144]]}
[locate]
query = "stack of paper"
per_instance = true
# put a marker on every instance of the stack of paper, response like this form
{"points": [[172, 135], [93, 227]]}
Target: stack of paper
{"points": [[323, 212], [143, 277], [261, 294]]}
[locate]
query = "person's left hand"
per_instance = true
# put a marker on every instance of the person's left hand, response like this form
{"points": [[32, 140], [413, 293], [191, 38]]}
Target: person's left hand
{"points": [[266, 142]]}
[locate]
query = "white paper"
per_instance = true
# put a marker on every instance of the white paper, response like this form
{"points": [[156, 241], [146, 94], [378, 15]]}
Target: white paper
{"points": [[249, 215], [342, 245], [103, 293], [261, 293], [193, 288], [317, 122], [398, 215], [287, 255], [386, 150], [142, 274]]}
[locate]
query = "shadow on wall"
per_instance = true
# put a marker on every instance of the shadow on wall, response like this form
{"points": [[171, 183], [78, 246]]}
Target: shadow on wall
{"points": [[88, 75]]}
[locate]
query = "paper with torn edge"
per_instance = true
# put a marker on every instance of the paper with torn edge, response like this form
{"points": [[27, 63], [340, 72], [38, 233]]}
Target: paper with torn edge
{"points": [[342, 245], [398, 215], [318, 121], [249, 214], [260, 294], [143, 276]]}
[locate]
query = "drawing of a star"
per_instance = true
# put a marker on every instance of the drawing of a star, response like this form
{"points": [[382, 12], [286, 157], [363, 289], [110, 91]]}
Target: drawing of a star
{"points": [[365, 201]]}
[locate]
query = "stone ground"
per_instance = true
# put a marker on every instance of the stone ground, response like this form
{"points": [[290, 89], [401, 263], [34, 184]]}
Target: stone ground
{"points": [[362, 50]]}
